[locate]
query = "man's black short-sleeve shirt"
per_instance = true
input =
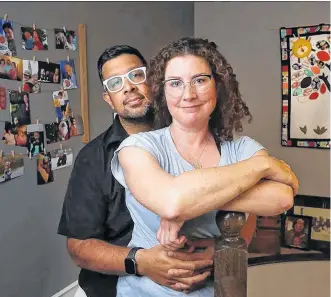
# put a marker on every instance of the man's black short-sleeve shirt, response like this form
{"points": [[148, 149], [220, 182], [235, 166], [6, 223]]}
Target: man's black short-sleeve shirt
{"points": [[94, 205]]}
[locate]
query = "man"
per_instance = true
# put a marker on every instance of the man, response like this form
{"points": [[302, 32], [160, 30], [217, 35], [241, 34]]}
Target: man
{"points": [[62, 160], [7, 171], [7, 28], [95, 218]]}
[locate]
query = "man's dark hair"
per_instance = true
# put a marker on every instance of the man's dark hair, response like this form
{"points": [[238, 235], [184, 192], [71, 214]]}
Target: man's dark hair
{"points": [[230, 109], [115, 51], [7, 25]]}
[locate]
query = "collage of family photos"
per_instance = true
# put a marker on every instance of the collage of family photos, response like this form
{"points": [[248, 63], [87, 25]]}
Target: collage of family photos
{"points": [[16, 125]]}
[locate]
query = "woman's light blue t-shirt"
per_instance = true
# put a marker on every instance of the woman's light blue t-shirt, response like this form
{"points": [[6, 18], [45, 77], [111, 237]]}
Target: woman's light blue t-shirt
{"points": [[160, 145]]}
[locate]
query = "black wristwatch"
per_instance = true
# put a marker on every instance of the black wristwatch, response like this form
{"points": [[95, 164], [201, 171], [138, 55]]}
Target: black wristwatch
{"points": [[130, 262]]}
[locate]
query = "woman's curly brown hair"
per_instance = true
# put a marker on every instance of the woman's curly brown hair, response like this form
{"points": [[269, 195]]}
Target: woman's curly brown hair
{"points": [[230, 109]]}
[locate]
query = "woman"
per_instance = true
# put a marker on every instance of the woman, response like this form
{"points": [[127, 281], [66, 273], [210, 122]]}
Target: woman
{"points": [[13, 72], [176, 177], [24, 110], [21, 136], [2, 68], [37, 44]]}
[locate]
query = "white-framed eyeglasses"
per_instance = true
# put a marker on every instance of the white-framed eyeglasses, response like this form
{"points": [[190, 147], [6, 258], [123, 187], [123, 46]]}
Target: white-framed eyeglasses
{"points": [[116, 83]]}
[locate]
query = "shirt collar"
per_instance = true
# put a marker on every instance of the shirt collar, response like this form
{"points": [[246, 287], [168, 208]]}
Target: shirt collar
{"points": [[116, 134]]}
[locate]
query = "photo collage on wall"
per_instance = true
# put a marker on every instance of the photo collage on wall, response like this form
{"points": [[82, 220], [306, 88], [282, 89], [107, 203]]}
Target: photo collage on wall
{"points": [[17, 128]]}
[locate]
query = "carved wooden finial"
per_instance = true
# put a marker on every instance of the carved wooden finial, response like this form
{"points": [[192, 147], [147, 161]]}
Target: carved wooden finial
{"points": [[230, 259], [230, 224]]}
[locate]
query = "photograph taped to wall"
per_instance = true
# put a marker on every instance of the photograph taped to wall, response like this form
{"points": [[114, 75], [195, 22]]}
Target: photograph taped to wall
{"points": [[62, 105], [10, 68], [44, 169], [52, 132], [320, 229], [68, 74], [76, 126], [7, 136], [11, 167], [34, 39], [19, 108], [7, 38], [3, 98], [64, 132], [36, 139], [61, 158], [65, 39], [305, 62], [49, 72], [30, 77], [14, 135]]}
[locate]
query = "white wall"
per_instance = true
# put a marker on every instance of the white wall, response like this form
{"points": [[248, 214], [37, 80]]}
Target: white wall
{"points": [[245, 35], [291, 279]]}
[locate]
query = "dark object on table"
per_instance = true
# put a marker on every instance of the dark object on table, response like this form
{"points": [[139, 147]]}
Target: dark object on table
{"points": [[267, 235]]}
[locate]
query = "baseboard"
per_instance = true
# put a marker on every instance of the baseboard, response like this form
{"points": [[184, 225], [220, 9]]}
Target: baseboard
{"points": [[68, 291]]}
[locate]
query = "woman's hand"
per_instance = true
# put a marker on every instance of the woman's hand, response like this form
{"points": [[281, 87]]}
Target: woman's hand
{"points": [[168, 237], [280, 171]]}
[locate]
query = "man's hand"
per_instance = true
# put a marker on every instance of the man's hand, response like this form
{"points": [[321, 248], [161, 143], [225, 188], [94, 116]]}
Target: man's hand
{"points": [[168, 237], [168, 269]]}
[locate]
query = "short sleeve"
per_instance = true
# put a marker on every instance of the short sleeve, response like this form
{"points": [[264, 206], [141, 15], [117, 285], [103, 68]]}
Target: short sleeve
{"points": [[83, 211], [141, 140], [246, 147]]}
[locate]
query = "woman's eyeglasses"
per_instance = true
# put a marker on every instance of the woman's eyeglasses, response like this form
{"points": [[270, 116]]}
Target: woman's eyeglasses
{"points": [[200, 84]]}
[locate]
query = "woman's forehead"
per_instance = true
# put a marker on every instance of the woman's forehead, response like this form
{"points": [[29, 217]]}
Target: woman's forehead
{"points": [[186, 66]]}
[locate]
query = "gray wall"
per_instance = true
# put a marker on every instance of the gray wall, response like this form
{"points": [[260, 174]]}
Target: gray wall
{"points": [[243, 31], [34, 261]]}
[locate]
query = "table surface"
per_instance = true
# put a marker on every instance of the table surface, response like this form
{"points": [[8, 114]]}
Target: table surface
{"points": [[285, 251], [286, 255]]}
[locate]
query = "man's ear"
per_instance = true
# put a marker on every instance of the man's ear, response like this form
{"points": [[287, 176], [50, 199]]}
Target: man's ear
{"points": [[107, 98]]}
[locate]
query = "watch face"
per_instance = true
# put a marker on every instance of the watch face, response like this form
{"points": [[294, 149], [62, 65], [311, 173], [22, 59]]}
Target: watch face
{"points": [[130, 266]]}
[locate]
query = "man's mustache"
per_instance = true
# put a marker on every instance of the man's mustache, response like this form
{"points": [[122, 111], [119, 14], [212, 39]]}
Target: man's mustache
{"points": [[133, 96]]}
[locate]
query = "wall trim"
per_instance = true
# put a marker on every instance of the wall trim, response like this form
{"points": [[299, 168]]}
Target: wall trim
{"points": [[66, 289]]}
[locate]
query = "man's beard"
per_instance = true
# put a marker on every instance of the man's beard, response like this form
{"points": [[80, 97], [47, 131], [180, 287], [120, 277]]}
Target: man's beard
{"points": [[146, 117]]}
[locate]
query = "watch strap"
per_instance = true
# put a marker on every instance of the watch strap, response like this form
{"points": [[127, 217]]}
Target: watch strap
{"points": [[131, 256]]}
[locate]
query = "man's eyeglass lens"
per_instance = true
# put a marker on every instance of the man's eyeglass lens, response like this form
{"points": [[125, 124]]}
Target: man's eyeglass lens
{"points": [[135, 76]]}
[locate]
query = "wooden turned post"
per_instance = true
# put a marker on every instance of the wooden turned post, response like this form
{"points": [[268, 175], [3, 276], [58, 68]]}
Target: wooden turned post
{"points": [[230, 260]]}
